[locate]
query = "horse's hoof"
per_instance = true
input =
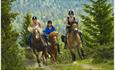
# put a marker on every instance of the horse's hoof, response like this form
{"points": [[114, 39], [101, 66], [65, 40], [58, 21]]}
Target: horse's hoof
{"points": [[46, 64], [74, 62], [55, 63]]}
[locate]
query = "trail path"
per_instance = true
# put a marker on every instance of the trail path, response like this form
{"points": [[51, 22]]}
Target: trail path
{"points": [[32, 64]]}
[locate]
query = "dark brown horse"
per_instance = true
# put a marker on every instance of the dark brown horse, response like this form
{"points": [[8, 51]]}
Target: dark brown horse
{"points": [[53, 36], [39, 47], [73, 42]]}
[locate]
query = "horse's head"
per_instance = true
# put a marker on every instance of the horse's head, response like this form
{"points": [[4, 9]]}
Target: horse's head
{"points": [[53, 36], [74, 28], [36, 32]]}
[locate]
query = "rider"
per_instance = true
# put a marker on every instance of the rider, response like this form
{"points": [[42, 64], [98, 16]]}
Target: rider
{"points": [[35, 25], [50, 28], [69, 22]]}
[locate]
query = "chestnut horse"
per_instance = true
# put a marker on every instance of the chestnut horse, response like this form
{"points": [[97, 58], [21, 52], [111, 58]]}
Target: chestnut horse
{"points": [[73, 42], [53, 36], [39, 47]]}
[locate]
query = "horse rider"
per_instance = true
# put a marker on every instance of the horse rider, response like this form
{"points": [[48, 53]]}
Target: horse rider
{"points": [[50, 28], [70, 20], [35, 25]]}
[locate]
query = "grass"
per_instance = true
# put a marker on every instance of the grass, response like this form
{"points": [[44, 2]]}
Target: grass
{"points": [[80, 65], [64, 63]]}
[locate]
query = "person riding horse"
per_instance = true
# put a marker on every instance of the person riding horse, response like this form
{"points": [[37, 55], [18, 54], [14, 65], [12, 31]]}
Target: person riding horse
{"points": [[49, 29], [35, 25], [37, 41], [69, 22]]}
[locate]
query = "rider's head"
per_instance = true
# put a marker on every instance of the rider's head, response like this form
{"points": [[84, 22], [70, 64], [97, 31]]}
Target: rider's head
{"points": [[34, 19], [71, 13], [49, 23]]}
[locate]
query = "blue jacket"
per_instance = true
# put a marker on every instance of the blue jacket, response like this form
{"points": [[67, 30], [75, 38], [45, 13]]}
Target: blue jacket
{"points": [[47, 31]]}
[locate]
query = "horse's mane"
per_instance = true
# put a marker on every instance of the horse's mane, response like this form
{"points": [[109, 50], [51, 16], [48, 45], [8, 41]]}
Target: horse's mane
{"points": [[52, 34]]}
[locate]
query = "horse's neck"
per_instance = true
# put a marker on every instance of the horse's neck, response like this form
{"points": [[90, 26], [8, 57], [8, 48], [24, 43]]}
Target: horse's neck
{"points": [[76, 36], [73, 34]]}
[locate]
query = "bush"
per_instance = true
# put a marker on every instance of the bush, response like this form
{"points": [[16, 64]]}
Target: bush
{"points": [[12, 58], [28, 53], [101, 53]]}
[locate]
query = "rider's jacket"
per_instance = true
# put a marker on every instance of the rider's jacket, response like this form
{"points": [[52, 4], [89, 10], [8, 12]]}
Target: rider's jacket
{"points": [[35, 27], [47, 30], [71, 21]]}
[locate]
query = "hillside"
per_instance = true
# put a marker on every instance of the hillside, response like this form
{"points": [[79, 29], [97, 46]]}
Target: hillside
{"points": [[55, 10]]}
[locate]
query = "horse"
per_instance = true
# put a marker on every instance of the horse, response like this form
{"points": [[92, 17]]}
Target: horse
{"points": [[73, 42], [39, 47], [53, 36]]}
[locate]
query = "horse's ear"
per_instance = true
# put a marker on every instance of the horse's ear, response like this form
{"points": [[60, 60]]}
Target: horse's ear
{"points": [[56, 33]]}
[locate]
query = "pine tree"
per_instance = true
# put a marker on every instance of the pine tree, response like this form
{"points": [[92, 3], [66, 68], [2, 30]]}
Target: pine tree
{"points": [[98, 22], [11, 54], [25, 33]]}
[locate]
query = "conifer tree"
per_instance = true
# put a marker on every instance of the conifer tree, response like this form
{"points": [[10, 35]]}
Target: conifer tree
{"points": [[98, 22], [25, 33], [10, 52]]}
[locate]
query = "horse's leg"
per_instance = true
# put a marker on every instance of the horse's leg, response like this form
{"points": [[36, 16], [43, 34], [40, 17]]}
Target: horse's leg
{"points": [[80, 47], [46, 57], [54, 52], [43, 57], [73, 54], [55, 56], [81, 51], [40, 57], [71, 49], [52, 59], [35, 52]]}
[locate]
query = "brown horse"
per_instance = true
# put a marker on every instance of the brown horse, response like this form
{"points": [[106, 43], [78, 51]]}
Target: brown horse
{"points": [[73, 42], [39, 47], [53, 36]]}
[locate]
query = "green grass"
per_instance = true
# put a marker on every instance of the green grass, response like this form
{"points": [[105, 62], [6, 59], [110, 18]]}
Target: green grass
{"points": [[64, 62], [32, 68], [80, 65]]}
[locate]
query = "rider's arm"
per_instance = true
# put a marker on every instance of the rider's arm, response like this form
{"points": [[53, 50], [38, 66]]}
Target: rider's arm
{"points": [[54, 29], [77, 23], [39, 25], [30, 29], [46, 32], [67, 19]]}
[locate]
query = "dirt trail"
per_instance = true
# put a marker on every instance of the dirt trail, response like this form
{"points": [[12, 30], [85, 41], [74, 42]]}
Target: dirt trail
{"points": [[33, 64], [90, 67]]}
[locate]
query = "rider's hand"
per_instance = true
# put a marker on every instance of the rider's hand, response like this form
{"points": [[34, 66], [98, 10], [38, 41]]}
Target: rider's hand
{"points": [[67, 25]]}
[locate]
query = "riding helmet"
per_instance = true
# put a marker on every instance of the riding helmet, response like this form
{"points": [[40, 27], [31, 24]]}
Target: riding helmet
{"points": [[34, 18], [49, 21], [70, 12]]}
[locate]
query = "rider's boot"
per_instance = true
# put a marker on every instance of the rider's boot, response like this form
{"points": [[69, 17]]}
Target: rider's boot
{"points": [[83, 53], [80, 34], [58, 48], [30, 40], [65, 47]]}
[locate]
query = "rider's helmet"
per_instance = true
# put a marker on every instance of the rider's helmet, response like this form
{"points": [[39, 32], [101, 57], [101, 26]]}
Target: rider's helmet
{"points": [[34, 18], [49, 22], [70, 12]]}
